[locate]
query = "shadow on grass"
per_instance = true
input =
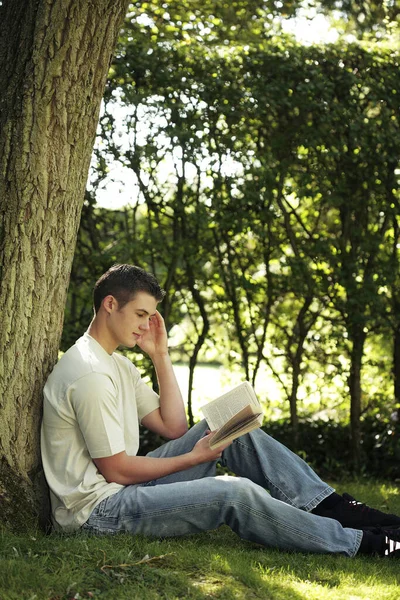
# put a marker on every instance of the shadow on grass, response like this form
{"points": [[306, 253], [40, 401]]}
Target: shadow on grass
{"points": [[280, 575], [214, 565]]}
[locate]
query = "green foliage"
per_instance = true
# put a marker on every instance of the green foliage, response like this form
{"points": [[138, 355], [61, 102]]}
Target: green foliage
{"points": [[375, 17], [266, 200], [326, 445]]}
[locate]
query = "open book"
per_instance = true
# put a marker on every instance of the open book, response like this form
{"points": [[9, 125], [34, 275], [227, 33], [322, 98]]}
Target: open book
{"points": [[233, 414]]}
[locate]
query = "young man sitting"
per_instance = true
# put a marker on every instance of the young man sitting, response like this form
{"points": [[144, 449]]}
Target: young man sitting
{"points": [[93, 402]]}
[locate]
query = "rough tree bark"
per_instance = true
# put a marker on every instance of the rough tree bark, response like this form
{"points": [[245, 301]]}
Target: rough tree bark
{"points": [[54, 59]]}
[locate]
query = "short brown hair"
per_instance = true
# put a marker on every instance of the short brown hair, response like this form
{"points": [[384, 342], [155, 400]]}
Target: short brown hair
{"points": [[123, 282]]}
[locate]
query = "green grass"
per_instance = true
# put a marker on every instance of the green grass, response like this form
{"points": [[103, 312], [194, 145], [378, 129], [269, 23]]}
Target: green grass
{"points": [[213, 565]]}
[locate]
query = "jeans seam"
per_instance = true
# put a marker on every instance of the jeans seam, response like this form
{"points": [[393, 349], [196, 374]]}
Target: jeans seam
{"points": [[171, 510]]}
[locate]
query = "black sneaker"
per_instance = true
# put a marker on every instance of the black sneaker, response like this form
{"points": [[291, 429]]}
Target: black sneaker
{"points": [[381, 544], [351, 513], [391, 546]]}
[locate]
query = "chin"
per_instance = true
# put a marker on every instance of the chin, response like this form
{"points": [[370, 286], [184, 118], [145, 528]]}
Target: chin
{"points": [[127, 344]]}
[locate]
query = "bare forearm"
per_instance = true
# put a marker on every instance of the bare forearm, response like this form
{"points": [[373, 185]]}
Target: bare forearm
{"points": [[172, 408], [128, 470]]}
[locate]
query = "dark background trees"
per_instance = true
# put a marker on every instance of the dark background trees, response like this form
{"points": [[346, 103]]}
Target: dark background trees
{"points": [[266, 201]]}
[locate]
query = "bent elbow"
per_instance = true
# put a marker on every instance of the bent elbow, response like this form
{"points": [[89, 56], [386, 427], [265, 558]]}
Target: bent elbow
{"points": [[178, 432], [184, 429], [116, 478], [110, 477]]}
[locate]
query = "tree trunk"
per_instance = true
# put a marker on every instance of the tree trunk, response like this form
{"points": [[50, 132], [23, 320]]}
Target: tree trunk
{"points": [[396, 372], [294, 418], [301, 329], [356, 356], [198, 344], [54, 59]]}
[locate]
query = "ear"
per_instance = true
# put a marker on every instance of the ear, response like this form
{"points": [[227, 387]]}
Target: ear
{"points": [[109, 304]]}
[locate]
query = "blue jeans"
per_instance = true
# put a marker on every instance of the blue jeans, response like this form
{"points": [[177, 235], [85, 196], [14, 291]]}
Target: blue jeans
{"points": [[195, 500]]}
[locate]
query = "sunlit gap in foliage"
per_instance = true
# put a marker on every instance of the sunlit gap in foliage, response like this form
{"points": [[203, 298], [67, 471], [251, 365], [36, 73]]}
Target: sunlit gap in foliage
{"points": [[120, 186], [311, 27], [138, 126]]}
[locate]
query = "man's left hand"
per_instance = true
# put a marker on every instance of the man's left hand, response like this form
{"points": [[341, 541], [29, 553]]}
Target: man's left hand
{"points": [[154, 341]]}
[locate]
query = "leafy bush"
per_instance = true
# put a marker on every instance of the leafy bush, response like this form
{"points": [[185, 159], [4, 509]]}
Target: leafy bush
{"points": [[326, 445]]}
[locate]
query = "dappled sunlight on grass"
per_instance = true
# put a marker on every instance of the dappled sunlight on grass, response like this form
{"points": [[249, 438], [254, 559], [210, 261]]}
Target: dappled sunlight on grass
{"points": [[311, 590], [335, 578], [220, 562], [214, 565], [389, 490]]}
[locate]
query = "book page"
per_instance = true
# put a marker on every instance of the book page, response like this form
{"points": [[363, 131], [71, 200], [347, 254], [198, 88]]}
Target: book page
{"points": [[219, 411]]}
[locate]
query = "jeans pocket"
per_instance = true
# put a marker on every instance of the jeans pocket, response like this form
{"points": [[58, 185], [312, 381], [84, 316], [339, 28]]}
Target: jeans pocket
{"points": [[104, 517], [105, 508], [102, 509]]}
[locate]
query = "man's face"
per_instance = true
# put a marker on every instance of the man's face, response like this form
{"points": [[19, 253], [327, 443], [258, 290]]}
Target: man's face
{"points": [[129, 323]]}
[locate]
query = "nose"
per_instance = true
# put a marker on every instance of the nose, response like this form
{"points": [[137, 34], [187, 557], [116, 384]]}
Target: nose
{"points": [[145, 325]]}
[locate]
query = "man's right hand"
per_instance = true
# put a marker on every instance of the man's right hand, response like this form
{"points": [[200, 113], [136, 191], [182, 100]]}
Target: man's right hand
{"points": [[202, 452]]}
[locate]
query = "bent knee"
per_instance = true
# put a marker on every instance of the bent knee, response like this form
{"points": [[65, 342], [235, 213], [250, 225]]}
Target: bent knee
{"points": [[239, 489]]}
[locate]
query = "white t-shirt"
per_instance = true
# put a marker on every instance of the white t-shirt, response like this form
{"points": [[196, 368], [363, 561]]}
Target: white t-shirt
{"points": [[93, 402]]}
